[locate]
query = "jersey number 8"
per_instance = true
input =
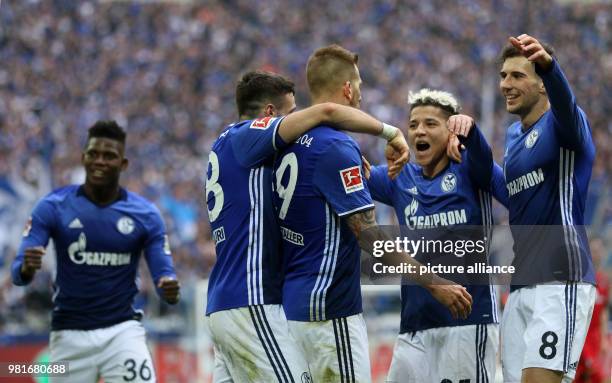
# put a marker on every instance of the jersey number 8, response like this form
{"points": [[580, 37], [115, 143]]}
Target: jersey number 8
{"points": [[213, 187]]}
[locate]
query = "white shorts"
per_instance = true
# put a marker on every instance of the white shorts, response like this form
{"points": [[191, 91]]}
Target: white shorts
{"points": [[545, 326], [446, 354], [116, 354], [253, 344], [337, 349]]}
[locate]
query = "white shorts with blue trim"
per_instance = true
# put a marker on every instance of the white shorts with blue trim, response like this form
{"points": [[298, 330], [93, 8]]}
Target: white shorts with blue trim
{"points": [[446, 354], [545, 326], [253, 344], [116, 353], [336, 349]]}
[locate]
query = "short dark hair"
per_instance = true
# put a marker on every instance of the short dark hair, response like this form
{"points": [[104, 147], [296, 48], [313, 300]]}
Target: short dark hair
{"points": [[330, 67], [107, 129], [510, 50], [257, 88]]}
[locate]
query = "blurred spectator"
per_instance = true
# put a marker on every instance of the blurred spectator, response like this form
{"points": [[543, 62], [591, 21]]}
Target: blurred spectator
{"points": [[592, 368]]}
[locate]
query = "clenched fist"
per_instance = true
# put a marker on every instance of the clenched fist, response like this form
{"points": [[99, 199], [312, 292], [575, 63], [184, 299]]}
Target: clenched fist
{"points": [[32, 261]]}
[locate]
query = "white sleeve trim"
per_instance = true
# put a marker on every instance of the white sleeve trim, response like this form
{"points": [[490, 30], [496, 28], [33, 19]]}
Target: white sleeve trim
{"points": [[274, 133], [365, 207]]}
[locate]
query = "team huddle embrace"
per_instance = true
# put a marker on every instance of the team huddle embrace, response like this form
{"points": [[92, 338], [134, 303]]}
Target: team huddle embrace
{"points": [[293, 197], [290, 201]]}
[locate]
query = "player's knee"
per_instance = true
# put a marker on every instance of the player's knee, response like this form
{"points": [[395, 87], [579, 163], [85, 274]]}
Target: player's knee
{"points": [[541, 375]]}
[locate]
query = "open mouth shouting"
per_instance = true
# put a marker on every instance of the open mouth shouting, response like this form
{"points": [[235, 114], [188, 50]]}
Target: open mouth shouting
{"points": [[422, 146]]}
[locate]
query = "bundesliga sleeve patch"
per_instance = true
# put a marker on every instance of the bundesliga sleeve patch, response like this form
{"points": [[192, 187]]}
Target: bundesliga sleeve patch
{"points": [[351, 179], [262, 123]]}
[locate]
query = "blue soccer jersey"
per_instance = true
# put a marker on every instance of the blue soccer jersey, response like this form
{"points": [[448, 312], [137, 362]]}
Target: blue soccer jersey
{"points": [[97, 253], [248, 270], [459, 195], [318, 180], [547, 170]]}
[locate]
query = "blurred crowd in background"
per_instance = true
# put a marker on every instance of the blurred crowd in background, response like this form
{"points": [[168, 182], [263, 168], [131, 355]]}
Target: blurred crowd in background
{"points": [[167, 71]]}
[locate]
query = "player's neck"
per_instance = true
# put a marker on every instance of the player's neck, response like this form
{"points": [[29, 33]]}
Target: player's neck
{"points": [[102, 195], [433, 169], [535, 113], [336, 99]]}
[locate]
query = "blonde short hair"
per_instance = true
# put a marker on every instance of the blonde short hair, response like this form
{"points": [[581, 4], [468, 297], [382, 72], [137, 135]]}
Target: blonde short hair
{"points": [[439, 98], [329, 68]]}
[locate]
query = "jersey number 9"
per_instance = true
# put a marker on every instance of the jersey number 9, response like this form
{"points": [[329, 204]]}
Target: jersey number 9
{"points": [[286, 193]]}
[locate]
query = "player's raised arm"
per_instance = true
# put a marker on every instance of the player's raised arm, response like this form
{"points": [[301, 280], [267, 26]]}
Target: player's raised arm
{"points": [[498, 185], [35, 239], [159, 259], [266, 106], [349, 119], [479, 155], [572, 122]]}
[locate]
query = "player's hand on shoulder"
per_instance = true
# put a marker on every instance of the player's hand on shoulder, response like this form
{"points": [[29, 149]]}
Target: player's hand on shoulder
{"points": [[397, 154], [170, 289], [455, 297], [367, 168], [32, 261], [460, 125], [533, 50]]}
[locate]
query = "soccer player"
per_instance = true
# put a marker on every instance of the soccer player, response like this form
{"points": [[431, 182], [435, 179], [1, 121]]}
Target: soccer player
{"points": [[246, 320], [437, 192], [99, 231], [547, 164], [323, 205]]}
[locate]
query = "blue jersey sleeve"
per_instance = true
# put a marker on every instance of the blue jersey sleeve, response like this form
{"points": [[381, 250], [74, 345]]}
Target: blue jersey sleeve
{"points": [[573, 127], [498, 185], [379, 184], [36, 233], [479, 158], [256, 140], [157, 249], [338, 176]]}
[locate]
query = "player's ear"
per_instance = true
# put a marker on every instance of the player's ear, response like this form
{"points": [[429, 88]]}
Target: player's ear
{"points": [[124, 164], [270, 110], [542, 88], [347, 91]]}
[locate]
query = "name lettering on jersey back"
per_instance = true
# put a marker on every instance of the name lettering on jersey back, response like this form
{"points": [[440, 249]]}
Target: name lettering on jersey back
{"points": [[218, 235], [292, 236], [78, 255], [525, 182]]}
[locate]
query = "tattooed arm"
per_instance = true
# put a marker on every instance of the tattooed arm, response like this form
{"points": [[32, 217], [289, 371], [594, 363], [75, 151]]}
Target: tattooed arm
{"points": [[454, 297]]}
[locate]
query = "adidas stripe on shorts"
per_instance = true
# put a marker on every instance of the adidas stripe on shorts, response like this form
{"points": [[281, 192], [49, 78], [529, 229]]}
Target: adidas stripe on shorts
{"points": [[336, 349], [446, 354], [545, 326], [253, 344]]}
